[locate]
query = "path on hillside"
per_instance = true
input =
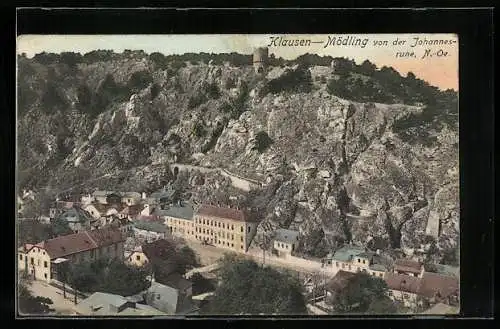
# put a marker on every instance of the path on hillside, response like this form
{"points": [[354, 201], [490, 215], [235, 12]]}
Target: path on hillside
{"points": [[237, 181]]}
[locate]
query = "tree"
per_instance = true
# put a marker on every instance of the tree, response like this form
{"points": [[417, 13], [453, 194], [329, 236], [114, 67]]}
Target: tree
{"points": [[247, 288], [262, 141], [60, 227], [110, 276], [363, 294], [187, 259]]}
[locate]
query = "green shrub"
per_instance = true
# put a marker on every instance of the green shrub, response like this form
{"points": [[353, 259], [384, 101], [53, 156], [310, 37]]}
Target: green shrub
{"points": [[262, 141]]}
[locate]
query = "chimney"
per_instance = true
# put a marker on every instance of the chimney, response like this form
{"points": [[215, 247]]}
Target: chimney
{"points": [[143, 195]]}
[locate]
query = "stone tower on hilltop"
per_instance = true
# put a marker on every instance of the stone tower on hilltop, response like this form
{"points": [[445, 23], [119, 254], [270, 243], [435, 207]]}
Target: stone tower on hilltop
{"points": [[260, 58]]}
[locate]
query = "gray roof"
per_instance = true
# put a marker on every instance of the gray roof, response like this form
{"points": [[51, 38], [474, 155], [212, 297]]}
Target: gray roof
{"points": [[163, 298], [185, 211], [75, 215], [150, 226], [346, 253], [287, 236], [104, 300], [100, 303]]}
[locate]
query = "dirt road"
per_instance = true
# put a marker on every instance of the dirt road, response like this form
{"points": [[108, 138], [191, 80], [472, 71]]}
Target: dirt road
{"points": [[62, 306]]}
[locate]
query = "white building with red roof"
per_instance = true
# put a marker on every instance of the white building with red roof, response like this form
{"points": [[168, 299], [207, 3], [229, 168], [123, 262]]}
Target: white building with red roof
{"points": [[41, 259]]}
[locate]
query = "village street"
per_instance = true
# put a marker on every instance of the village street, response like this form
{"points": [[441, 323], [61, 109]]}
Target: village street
{"points": [[210, 254], [61, 305]]}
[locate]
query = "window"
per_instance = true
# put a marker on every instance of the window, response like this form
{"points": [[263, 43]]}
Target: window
{"points": [[138, 257], [20, 257], [38, 262], [363, 261], [116, 248], [241, 246], [249, 229], [286, 246], [232, 236], [241, 229], [406, 296], [45, 264], [45, 275], [232, 227], [232, 245], [359, 260], [203, 221], [218, 224], [390, 292], [337, 264], [241, 238], [92, 253], [223, 225], [380, 274]]}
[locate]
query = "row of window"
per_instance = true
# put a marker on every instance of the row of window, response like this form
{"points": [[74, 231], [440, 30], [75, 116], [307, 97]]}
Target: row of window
{"points": [[282, 245], [215, 223], [180, 222], [32, 261]]}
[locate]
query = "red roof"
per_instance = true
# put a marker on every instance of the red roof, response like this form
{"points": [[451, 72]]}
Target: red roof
{"points": [[219, 212], [83, 241], [434, 283], [402, 282], [407, 265]]}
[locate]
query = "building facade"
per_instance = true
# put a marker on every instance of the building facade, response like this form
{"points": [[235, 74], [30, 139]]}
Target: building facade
{"points": [[285, 242], [227, 228], [40, 260], [355, 259]]}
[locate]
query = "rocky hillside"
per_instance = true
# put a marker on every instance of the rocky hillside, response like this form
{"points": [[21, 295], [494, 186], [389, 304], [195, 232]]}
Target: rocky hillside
{"points": [[344, 152]]}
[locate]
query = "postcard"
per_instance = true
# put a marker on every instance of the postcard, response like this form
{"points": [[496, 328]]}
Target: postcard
{"points": [[237, 175]]}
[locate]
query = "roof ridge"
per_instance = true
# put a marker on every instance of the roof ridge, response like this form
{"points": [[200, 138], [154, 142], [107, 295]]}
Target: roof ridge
{"points": [[90, 237]]}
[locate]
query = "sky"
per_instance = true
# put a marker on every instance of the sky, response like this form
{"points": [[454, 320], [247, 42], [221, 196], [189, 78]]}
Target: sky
{"points": [[440, 69]]}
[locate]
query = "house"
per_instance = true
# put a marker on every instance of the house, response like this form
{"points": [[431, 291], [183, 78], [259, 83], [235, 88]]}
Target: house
{"points": [[356, 259], [163, 196], [337, 284], [178, 218], [403, 288], [168, 299], [137, 257], [77, 219], [107, 197], [131, 198], [123, 224], [228, 228], [104, 304], [41, 260], [132, 211], [433, 287], [96, 210], [150, 230], [285, 241], [408, 267]]}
